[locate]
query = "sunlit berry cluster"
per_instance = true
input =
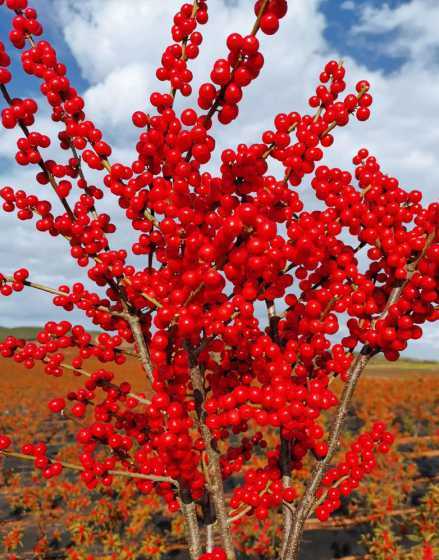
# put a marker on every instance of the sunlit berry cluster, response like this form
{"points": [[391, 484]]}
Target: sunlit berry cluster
{"points": [[216, 554], [5, 61], [261, 492], [187, 39], [240, 302], [14, 284], [344, 478], [48, 468]]}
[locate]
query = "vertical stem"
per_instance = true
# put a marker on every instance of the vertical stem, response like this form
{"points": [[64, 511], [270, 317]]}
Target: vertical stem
{"points": [[285, 444], [209, 519], [136, 329], [295, 536], [189, 511], [141, 345], [285, 469], [216, 486], [273, 321], [209, 538], [355, 371]]}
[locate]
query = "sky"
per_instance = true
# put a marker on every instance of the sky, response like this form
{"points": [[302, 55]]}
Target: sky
{"points": [[112, 48]]}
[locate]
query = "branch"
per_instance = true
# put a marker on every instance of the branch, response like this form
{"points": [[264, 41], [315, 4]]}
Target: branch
{"points": [[41, 163], [355, 371], [142, 348], [88, 374], [151, 299], [82, 177], [195, 8], [80, 468], [31, 41], [107, 166], [333, 125], [55, 292], [285, 468], [133, 320], [220, 95], [193, 535], [293, 127], [215, 479], [239, 514], [273, 320], [341, 522], [285, 444], [136, 329], [209, 537], [293, 541]]}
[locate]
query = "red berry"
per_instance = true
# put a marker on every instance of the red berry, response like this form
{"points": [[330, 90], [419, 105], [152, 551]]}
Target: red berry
{"points": [[269, 23], [5, 442]]}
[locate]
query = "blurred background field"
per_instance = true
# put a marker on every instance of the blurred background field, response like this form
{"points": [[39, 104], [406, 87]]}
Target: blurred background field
{"points": [[390, 516]]}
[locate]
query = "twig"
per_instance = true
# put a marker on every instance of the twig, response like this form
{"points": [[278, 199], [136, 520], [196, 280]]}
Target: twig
{"points": [[220, 95], [151, 299], [195, 7], [257, 23], [341, 522], [72, 466], [55, 292], [88, 374], [285, 469], [41, 163], [142, 348], [82, 177], [293, 541]]}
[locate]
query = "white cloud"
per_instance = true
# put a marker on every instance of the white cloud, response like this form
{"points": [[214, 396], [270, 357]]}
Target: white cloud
{"points": [[104, 35], [414, 25], [347, 5], [118, 45], [431, 338], [112, 101]]}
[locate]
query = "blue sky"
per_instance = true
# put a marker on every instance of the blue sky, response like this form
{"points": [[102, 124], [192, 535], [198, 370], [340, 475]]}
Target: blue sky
{"points": [[340, 18], [54, 34], [112, 48], [343, 16]]}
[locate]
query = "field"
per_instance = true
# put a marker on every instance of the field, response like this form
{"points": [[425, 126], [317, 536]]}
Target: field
{"points": [[58, 519]]}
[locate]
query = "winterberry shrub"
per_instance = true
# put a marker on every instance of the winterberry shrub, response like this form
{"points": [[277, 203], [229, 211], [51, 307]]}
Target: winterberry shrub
{"points": [[211, 250]]}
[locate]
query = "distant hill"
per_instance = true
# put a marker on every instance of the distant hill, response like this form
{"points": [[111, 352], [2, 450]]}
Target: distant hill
{"points": [[378, 362], [27, 333]]}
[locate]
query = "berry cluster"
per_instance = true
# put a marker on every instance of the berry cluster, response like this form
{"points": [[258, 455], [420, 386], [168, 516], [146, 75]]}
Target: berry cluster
{"points": [[343, 479], [216, 554], [25, 22], [5, 61], [28, 152], [174, 67], [14, 284], [53, 341], [269, 19], [48, 468], [261, 492], [23, 111]]}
